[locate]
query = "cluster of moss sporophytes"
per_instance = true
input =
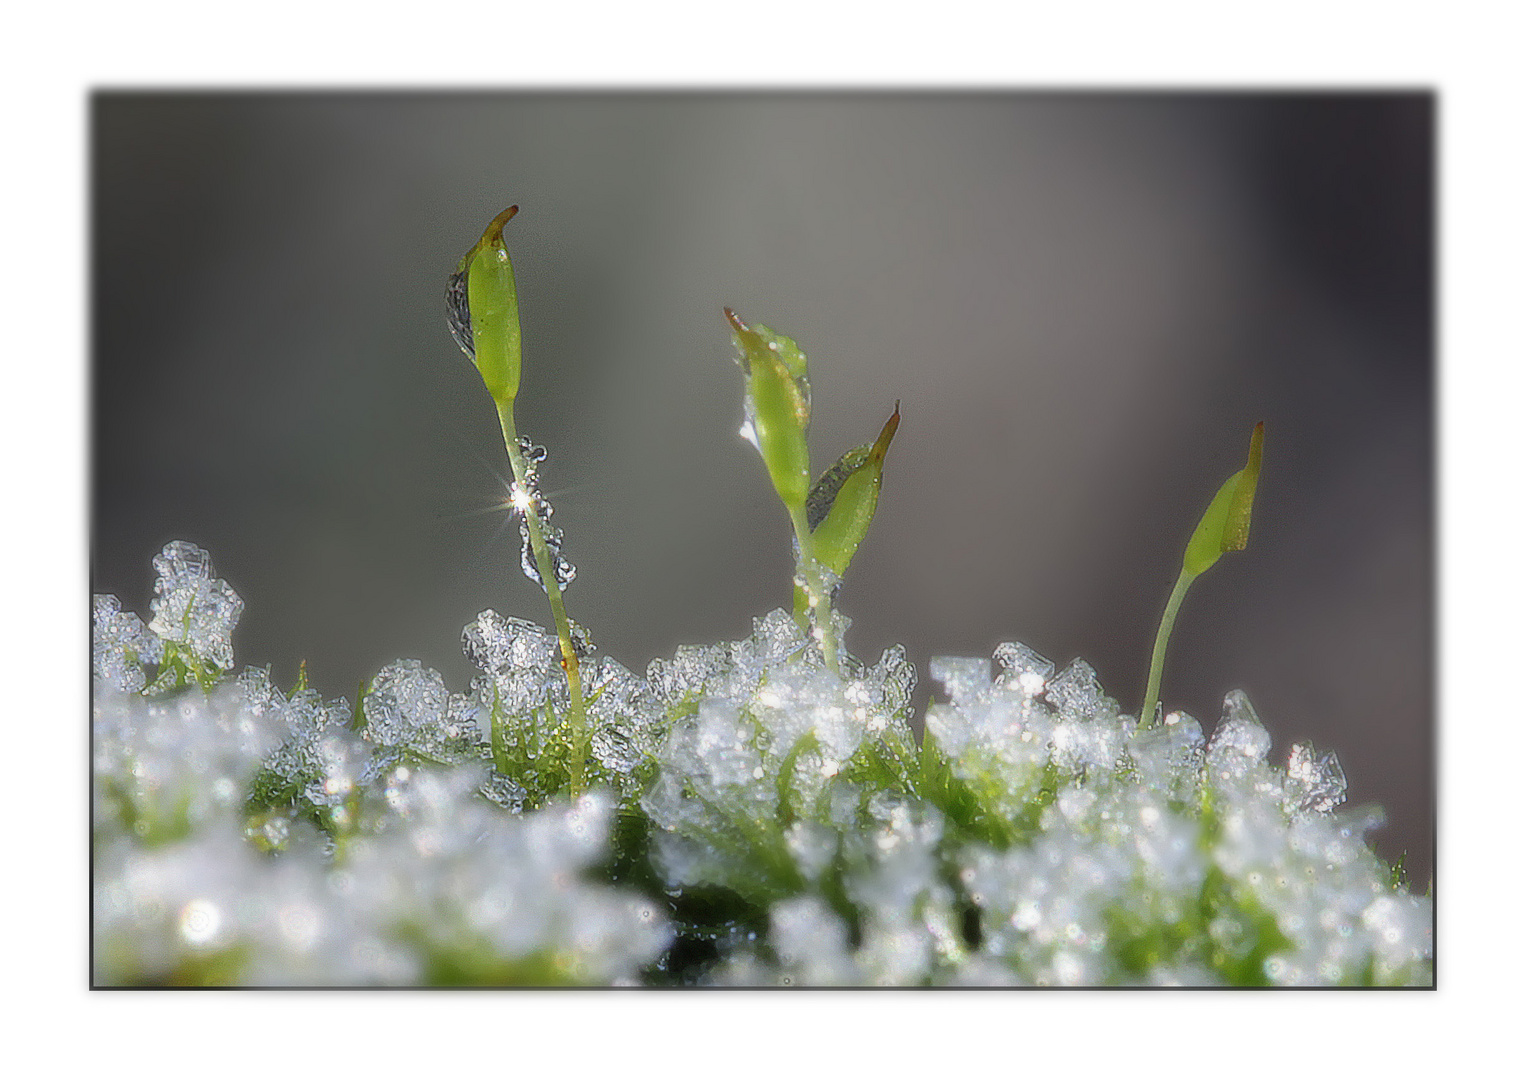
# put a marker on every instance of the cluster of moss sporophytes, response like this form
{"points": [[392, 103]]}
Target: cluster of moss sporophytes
{"points": [[752, 812]]}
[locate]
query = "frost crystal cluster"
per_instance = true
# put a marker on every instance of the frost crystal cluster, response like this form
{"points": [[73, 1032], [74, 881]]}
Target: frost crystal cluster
{"points": [[756, 820]]}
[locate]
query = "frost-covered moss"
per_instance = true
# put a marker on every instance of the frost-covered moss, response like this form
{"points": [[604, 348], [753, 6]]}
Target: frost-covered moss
{"points": [[755, 819]]}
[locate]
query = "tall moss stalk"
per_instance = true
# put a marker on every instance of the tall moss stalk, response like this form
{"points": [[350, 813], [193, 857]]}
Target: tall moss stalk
{"points": [[482, 302]]}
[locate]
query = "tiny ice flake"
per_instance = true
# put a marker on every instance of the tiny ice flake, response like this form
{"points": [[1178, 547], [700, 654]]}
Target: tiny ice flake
{"points": [[1314, 782], [1239, 742], [1022, 669], [1076, 693]]}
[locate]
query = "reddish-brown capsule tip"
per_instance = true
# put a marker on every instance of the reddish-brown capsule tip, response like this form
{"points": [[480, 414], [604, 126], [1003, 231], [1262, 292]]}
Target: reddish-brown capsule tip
{"points": [[735, 321], [882, 444], [494, 231]]}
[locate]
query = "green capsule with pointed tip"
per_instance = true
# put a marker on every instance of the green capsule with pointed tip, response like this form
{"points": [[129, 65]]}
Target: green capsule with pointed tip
{"points": [[842, 503], [1226, 523], [777, 406], [482, 309]]}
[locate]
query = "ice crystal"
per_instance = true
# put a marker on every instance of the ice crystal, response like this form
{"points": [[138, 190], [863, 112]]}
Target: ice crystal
{"points": [[191, 607], [495, 643], [521, 678], [1076, 693], [526, 499], [121, 645], [407, 703], [1314, 782], [1022, 669], [626, 720]]}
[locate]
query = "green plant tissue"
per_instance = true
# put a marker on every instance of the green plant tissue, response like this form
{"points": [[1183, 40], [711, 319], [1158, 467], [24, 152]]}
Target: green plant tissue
{"points": [[752, 819]]}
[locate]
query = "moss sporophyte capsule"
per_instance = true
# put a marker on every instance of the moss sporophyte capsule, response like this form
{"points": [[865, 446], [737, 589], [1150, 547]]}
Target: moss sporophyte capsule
{"points": [[1226, 522], [482, 306], [842, 502], [777, 406]]}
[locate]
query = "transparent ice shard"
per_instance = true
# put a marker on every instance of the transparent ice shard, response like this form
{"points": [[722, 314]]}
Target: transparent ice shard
{"points": [[1022, 669], [998, 741], [1087, 733], [521, 665], [458, 315], [1168, 756], [1076, 694], [191, 607], [626, 719], [582, 641], [464, 727], [504, 791], [121, 645], [406, 700], [716, 750], [1314, 782], [1239, 743], [259, 693], [809, 730], [1240, 731], [495, 643], [775, 638], [893, 681], [533, 454], [321, 762], [964, 679], [879, 703], [689, 672], [1083, 745]]}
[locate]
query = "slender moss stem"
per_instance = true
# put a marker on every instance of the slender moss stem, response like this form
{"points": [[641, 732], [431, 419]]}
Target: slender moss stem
{"points": [[547, 568], [1158, 658], [819, 604]]}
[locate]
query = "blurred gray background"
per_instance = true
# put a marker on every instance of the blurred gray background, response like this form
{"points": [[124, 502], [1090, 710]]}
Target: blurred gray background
{"points": [[1083, 302]]}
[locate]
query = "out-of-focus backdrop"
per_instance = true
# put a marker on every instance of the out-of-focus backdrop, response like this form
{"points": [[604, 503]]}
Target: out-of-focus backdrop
{"points": [[1083, 303]]}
